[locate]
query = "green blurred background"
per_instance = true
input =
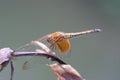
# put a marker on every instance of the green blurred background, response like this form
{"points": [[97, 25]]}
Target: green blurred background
{"points": [[95, 56]]}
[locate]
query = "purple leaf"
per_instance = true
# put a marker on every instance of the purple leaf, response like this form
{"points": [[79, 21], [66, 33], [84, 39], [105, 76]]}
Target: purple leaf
{"points": [[65, 72]]}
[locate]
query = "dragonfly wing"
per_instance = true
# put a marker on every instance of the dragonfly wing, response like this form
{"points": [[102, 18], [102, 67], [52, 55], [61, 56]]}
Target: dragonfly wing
{"points": [[34, 60]]}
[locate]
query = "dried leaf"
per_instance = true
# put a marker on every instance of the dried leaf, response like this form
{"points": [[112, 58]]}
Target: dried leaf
{"points": [[65, 72], [5, 55]]}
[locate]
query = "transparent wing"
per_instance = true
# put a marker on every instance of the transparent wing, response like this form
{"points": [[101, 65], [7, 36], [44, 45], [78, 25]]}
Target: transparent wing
{"points": [[32, 46], [41, 48]]}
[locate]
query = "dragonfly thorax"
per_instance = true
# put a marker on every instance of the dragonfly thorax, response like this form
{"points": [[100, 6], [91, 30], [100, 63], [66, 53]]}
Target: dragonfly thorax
{"points": [[56, 37]]}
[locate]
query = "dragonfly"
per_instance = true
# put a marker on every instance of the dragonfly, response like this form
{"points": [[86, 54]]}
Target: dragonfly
{"points": [[58, 40], [61, 39]]}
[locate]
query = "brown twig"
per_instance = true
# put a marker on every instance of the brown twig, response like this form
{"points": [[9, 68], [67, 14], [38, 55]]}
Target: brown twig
{"points": [[53, 57]]}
